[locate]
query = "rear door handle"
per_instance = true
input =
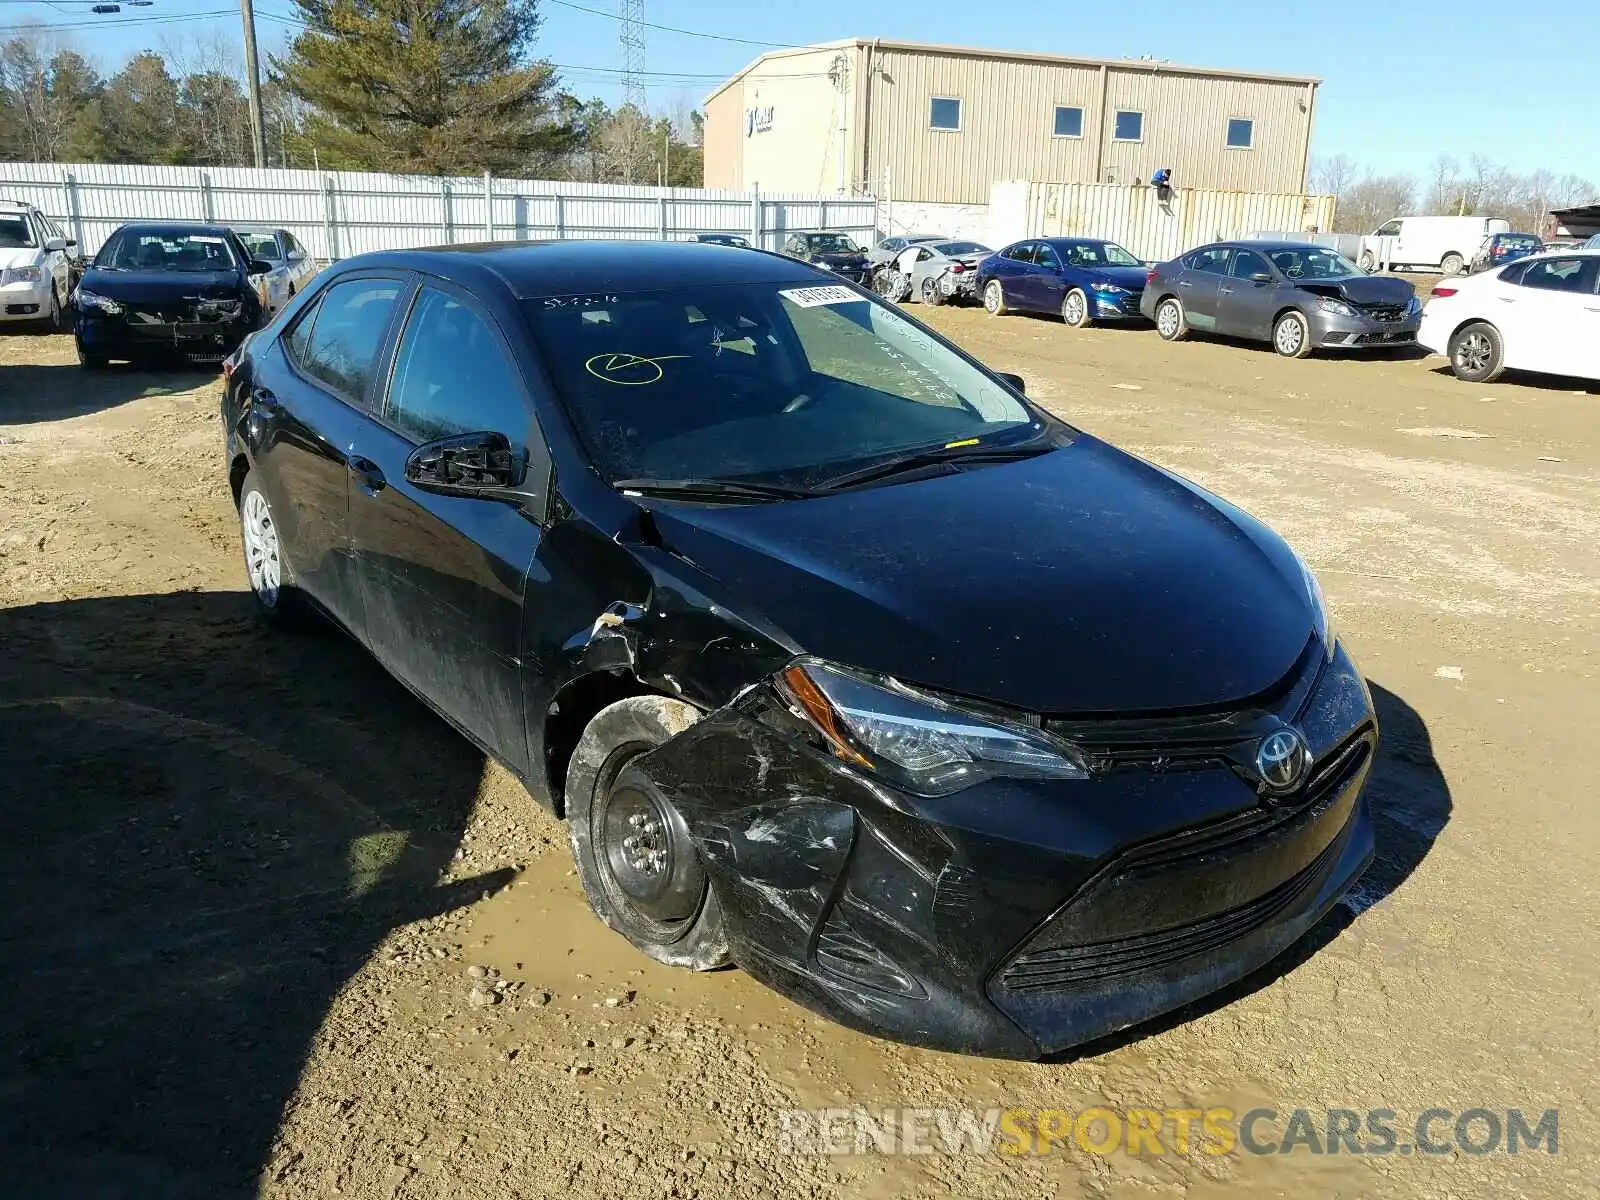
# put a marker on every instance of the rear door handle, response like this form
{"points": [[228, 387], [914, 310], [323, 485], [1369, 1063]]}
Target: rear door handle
{"points": [[1184, 283], [1225, 291], [368, 474]]}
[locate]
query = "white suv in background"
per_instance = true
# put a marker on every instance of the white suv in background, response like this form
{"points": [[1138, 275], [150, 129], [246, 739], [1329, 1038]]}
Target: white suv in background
{"points": [[34, 266], [1539, 314]]}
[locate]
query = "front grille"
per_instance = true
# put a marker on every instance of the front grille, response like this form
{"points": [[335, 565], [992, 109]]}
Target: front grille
{"points": [[1063, 966], [1382, 339], [1385, 312]]}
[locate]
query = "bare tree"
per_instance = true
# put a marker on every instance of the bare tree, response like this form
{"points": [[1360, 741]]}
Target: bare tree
{"points": [[1333, 175]]}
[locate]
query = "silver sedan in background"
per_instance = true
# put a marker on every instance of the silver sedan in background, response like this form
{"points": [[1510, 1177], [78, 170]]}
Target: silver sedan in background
{"points": [[932, 272], [292, 267]]}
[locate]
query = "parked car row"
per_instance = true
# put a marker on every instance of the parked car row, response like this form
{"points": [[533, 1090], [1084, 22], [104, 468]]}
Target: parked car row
{"points": [[36, 267]]}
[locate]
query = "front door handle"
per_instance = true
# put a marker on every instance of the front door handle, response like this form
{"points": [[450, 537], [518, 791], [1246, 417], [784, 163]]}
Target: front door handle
{"points": [[368, 474], [1225, 291]]}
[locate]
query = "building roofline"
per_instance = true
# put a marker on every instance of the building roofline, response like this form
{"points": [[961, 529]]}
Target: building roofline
{"points": [[1132, 64]]}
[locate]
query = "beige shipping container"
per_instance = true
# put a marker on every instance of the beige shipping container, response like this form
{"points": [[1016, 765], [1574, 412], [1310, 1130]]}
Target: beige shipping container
{"points": [[939, 124]]}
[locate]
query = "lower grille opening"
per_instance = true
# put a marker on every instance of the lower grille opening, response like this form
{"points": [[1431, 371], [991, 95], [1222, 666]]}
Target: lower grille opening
{"points": [[1066, 965]]}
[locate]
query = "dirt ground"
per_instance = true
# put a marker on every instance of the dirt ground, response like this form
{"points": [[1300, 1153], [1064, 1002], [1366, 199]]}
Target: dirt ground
{"points": [[245, 875]]}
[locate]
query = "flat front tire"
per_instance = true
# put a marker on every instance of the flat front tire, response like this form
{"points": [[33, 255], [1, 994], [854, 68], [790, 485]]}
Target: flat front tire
{"points": [[1171, 323], [994, 298], [640, 869], [1291, 336], [1477, 353]]}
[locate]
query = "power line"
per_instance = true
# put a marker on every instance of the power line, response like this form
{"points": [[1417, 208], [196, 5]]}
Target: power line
{"points": [[112, 20], [715, 37]]}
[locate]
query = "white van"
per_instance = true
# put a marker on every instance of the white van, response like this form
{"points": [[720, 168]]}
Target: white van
{"points": [[1441, 243]]}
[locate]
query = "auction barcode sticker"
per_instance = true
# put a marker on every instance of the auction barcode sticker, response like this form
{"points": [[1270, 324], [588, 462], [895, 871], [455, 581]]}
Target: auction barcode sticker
{"points": [[811, 297]]}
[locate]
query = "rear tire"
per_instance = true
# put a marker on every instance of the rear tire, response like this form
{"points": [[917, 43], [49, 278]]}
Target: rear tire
{"points": [[1075, 309], [52, 320], [278, 602], [1367, 262], [931, 294], [994, 298], [1291, 335], [1477, 353], [640, 869], [1452, 263], [1171, 323]]}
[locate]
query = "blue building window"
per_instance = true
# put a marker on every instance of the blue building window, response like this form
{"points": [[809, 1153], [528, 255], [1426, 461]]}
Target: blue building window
{"points": [[1069, 122], [1241, 133], [944, 113], [1130, 126]]}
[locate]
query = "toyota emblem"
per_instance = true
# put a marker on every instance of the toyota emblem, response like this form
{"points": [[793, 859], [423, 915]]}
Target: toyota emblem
{"points": [[1282, 760]]}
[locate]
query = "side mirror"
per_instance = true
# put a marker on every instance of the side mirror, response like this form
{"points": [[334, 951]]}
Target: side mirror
{"points": [[1016, 381], [1261, 277], [469, 464], [260, 266], [56, 243]]}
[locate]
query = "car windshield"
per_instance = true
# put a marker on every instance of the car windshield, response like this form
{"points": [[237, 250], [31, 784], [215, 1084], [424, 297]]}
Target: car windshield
{"points": [[14, 231], [261, 245], [831, 243], [168, 251], [957, 249], [1313, 262], [1096, 254], [762, 383]]}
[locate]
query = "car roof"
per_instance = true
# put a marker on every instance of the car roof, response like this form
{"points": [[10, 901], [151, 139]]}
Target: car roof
{"points": [[529, 269], [17, 205], [1269, 245], [202, 227]]}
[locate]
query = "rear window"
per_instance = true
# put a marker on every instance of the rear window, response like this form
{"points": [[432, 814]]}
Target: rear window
{"points": [[957, 249], [1516, 241]]}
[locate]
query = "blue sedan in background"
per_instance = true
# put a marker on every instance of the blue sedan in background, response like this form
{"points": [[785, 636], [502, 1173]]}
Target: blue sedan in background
{"points": [[1084, 279]]}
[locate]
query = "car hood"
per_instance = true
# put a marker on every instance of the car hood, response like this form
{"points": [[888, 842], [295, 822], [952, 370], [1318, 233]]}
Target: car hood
{"points": [[1082, 581], [1132, 278], [1362, 289], [161, 287], [18, 256]]}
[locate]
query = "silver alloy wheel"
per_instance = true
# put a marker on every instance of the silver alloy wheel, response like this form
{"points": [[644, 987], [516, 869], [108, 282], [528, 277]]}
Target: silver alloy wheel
{"points": [[1075, 308], [994, 298], [1474, 351], [260, 548], [1167, 318], [1289, 336]]}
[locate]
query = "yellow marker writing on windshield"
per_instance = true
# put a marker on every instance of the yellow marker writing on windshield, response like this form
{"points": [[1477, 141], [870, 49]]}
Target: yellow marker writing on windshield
{"points": [[630, 370], [962, 442]]}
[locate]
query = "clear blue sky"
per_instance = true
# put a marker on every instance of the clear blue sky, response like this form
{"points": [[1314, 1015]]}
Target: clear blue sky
{"points": [[1404, 80]]}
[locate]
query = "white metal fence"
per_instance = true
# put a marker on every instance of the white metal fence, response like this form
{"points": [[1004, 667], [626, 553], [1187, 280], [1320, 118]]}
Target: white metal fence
{"points": [[339, 213]]}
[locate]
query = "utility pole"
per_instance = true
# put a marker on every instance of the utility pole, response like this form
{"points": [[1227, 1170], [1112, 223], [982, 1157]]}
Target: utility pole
{"points": [[839, 73], [252, 70]]}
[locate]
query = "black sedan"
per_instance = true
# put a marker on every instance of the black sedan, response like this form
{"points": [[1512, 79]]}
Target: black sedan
{"points": [[835, 252], [1296, 296], [167, 289], [842, 661]]}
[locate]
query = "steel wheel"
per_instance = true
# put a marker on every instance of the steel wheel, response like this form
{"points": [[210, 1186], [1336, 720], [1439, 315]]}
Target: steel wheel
{"points": [[1170, 322], [1291, 336], [1367, 261], [1451, 263], [639, 866], [994, 298], [261, 555]]}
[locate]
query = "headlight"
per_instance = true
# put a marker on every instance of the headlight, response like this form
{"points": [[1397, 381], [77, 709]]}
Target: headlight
{"points": [[916, 740], [826, 266], [19, 275], [1321, 622], [94, 300], [1338, 307], [1110, 289]]}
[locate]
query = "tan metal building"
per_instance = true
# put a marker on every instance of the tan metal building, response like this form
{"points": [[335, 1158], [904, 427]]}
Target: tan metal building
{"points": [[940, 124]]}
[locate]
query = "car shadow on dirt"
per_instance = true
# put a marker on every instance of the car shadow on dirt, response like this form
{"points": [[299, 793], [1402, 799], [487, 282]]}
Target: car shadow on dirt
{"points": [[1531, 379], [207, 830], [1410, 803], [31, 393]]}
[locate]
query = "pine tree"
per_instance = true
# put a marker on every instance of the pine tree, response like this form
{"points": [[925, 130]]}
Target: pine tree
{"points": [[445, 87]]}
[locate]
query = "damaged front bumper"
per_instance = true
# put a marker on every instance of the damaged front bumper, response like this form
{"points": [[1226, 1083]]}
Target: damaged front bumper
{"points": [[1017, 918]]}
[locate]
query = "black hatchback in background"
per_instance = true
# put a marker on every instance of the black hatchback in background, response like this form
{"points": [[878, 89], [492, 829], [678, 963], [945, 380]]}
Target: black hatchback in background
{"points": [[164, 290], [843, 661]]}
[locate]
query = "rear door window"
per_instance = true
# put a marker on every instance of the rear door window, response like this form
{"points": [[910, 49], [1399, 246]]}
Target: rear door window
{"points": [[1563, 275], [342, 348], [1213, 260], [1022, 253]]}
